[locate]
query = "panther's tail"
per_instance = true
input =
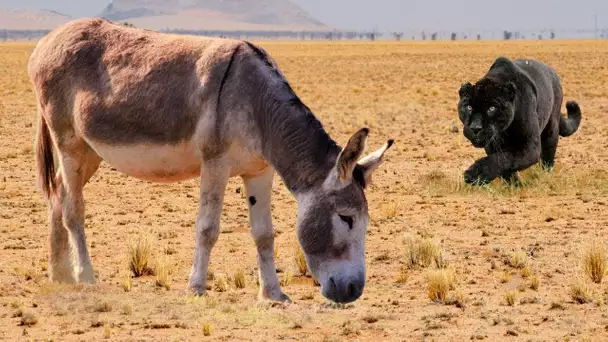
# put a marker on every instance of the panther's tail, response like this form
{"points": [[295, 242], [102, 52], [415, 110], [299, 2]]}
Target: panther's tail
{"points": [[569, 125]]}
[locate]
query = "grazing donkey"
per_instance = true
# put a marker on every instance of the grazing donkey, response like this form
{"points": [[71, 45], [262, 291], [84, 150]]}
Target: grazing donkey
{"points": [[168, 108]]}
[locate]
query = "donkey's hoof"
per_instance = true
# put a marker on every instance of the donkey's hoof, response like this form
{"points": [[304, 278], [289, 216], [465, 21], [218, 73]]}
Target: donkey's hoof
{"points": [[275, 296], [199, 291], [87, 277]]}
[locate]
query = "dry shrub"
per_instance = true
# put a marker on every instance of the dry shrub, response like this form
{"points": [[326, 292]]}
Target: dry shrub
{"points": [[239, 279], [164, 272], [220, 284], [526, 272], [535, 283], [440, 282], [403, 275], [206, 329], [580, 292], [287, 279], [140, 252], [28, 318], [593, 260], [103, 306], [127, 283], [511, 298], [300, 260], [505, 277], [422, 252], [518, 260]]}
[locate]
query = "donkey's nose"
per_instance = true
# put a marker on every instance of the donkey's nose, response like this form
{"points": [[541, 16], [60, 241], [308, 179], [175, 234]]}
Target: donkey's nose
{"points": [[344, 290]]}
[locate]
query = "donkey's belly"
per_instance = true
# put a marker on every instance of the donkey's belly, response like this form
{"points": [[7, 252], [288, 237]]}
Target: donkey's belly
{"points": [[160, 163]]}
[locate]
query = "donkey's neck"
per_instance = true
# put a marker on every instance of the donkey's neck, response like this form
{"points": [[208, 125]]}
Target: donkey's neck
{"points": [[295, 142]]}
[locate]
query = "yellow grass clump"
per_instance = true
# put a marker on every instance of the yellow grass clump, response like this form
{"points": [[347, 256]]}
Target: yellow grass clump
{"points": [[422, 252], [164, 272], [239, 279], [510, 298], [593, 260], [518, 260], [140, 253], [439, 283], [300, 261], [580, 292]]}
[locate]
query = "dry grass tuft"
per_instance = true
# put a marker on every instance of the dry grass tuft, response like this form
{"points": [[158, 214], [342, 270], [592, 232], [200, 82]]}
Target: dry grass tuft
{"points": [[505, 277], [300, 260], [535, 283], [526, 272], [107, 333], [511, 298], [518, 260], [127, 283], [103, 306], [206, 329], [164, 272], [239, 279], [140, 253], [403, 275], [221, 285], [422, 252], [580, 292], [440, 282], [287, 279], [593, 260]]}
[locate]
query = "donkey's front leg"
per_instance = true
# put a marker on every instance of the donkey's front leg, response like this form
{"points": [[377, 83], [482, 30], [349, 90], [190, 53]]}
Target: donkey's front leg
{"points": [[259, 189], [214, 178]]}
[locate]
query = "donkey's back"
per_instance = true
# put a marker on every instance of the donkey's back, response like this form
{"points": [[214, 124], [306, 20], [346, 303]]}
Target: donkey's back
{"points": [[125, 81]]}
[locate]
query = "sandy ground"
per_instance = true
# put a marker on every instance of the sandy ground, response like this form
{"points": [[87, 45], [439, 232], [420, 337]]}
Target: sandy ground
{"points": [[404, 91]]}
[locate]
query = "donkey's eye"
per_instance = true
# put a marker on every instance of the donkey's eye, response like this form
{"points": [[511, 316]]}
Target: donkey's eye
{"points": [[492, 110], [469, 108], [348, 220]]}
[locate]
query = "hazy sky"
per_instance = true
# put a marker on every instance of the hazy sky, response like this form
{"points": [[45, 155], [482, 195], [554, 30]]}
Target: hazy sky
{"points": [[429, 15]]}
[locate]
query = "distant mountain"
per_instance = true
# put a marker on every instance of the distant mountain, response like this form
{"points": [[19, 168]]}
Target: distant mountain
{"points": [[212, 14], [31, 19]]}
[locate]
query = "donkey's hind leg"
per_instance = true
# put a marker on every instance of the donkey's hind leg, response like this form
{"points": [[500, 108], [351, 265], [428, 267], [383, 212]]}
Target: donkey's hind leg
{"points": [[70, 261], [214, 179]]}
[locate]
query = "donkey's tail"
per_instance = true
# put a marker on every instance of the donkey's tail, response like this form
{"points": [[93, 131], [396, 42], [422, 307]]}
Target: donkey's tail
{"points": [[45, 164], [569, 125]]}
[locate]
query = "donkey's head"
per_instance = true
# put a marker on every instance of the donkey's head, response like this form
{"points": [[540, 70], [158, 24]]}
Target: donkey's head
{"points": [[332, 222]]}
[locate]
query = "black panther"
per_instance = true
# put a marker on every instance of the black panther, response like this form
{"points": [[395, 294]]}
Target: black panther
{"points": [[514, 113]]}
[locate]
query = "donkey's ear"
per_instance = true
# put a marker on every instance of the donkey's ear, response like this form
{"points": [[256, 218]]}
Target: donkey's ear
{"points": [[370, 163], [347, 160]]}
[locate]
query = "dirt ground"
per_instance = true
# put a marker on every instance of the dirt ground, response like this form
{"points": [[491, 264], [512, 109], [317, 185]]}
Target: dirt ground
{"points": [[406, 91]]}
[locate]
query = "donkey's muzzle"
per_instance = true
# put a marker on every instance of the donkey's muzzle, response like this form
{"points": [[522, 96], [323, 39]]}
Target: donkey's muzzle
{"points": [[344, 290]]}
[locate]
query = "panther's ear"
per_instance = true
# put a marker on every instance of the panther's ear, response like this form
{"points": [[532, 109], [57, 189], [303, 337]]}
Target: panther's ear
{"points": [[510, 89], [466, 90]]}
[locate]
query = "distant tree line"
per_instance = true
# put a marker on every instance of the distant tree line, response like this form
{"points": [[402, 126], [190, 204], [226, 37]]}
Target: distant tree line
{"points": [[338, 35]]}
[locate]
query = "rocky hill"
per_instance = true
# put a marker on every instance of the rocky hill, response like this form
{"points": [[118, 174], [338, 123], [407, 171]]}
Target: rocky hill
{"points": [[31, 19], [212, 14]]}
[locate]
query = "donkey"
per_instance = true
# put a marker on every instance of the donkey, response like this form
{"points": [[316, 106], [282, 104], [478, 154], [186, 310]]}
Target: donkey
{"points": [[169, 108]]}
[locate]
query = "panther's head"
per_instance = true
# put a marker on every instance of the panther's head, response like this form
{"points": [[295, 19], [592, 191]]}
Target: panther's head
{"points": [[486, 109]]}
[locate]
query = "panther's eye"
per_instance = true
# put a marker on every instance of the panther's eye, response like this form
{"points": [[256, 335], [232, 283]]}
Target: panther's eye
{"points": [[348, 220], [492, 110], [469, 108]]}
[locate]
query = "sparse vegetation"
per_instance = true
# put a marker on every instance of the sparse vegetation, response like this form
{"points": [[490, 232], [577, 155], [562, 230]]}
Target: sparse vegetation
{"points": [[580, 292], [163, 270], [140, 253], [511, 298], [422, 252], [300, 261], [594, 261], [221, 285], [439, 283], [535, 282], [518, 259], [127, 283], [239, 279], [206, 329]]}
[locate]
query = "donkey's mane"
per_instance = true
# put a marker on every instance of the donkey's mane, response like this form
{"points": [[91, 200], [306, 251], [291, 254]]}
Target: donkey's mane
{"points": [[295, 141]]}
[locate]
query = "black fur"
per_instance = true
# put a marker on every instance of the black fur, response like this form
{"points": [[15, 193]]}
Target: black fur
{"points": [[514, 113], [252, 200]]}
